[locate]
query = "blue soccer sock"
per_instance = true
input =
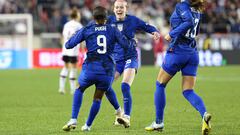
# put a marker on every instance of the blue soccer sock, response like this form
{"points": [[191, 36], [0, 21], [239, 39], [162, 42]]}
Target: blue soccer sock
{"points": [[93, 112], [112, 98], [77, 102], [160, 101], [127, 98], [195, 101]]}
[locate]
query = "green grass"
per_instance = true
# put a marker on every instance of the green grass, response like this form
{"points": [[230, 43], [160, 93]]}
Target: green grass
{"points": [[31, 105]]}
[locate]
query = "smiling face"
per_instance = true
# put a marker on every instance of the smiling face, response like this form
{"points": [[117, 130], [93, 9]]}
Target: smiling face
{"points": [[120, 9]]}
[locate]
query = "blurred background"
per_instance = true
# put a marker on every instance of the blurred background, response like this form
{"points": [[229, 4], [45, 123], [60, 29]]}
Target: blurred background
{"points": [[30, 31]]}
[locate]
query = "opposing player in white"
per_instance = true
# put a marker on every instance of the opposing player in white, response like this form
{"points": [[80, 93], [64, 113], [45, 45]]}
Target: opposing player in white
{"points": [[70, 56]]}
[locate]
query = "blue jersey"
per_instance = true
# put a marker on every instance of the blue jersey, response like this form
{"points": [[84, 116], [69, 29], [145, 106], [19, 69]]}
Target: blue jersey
{"points": [[185, 26], [128, 27], [100, 41]]}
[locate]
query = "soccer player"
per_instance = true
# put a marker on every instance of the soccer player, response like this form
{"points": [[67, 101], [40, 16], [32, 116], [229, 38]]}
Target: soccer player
{"points": [[126, 59], [70, 55], [182, 55], [98, 68]]}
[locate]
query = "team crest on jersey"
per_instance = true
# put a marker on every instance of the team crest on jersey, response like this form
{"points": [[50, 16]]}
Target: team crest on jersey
{"points": [[120, 27]]}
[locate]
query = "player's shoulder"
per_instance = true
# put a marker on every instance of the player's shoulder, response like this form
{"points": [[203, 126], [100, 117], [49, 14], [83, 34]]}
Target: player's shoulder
{"points": [[110, 28], [73, 24], [131, 17], [111, 19], [90, 24]]}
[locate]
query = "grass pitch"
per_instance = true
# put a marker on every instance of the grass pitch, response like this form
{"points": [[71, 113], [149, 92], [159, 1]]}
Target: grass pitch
{"points": [[31, 105]]}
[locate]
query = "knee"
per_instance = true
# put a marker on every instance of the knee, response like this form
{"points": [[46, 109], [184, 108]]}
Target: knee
{"points": [[98, 95], [187, 92], [82, 89], [64, 72], [125, 86], [159, 84]]}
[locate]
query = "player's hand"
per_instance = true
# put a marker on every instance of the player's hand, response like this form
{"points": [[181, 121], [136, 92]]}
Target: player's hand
{"points": [[168, 38], [156, 35], [136, 40]]}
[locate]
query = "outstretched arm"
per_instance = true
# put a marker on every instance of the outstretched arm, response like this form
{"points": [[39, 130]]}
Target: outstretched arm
{"points": [[148, 28], [185, 13], [75, 39]]}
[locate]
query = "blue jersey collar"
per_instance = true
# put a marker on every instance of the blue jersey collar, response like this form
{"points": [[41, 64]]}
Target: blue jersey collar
{"points": [[115, 18]]}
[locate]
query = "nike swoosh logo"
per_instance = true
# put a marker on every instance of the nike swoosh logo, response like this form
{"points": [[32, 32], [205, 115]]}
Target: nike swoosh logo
{"points": [[183, 13]]}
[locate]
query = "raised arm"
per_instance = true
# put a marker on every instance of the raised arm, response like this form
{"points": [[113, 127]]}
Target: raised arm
{"points": [[147, 28], [185, 12]]}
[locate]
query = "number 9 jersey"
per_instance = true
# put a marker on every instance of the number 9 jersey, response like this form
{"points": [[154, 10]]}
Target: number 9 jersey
{"points": [[185, 26], [100, 41]]}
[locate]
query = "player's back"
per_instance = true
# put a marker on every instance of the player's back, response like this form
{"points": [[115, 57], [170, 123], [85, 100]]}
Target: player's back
{"points": [[189, 19], [100, 41], [68, 30]]}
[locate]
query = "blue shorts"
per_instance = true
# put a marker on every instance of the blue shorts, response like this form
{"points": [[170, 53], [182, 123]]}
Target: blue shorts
{"points": [[130, 63], [187, 63], [102, 82]]}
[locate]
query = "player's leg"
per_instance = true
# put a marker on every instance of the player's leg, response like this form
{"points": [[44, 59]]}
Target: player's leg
{"points": [[128, 77], [73, 74], [102, 84], [94, 109], [111, 95], [112, 98], [84, 83], [63, 75], [159, 100], [76, 105], [188, 82], [168, 70], [130, 69]]}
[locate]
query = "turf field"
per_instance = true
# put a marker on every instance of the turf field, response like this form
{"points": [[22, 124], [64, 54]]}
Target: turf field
{"points": [[31, 105]]}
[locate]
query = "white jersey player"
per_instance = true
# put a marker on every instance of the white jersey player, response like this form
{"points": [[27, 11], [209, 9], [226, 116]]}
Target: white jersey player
{"points": [[70, 56]]}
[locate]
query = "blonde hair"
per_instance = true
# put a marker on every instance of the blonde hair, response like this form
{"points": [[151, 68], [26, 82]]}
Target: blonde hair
{"points": [[198, 4], [74, 14]]}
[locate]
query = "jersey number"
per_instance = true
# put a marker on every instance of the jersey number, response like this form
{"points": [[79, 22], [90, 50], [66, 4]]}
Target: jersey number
{"points": [[102, 41], [192, 33]]}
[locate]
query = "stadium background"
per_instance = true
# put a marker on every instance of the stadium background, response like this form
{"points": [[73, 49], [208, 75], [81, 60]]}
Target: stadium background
{"points": [[219, 39], [30, 104]]}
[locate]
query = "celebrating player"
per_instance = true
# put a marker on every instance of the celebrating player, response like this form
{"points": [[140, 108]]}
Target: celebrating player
{"points": [[182, 55], [98, 68], [70, 55], [126, 59]]}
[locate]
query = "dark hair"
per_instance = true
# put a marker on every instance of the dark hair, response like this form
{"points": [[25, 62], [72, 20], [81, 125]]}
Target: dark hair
{"points": [[198, 4], [100, 14], [74, 13]]}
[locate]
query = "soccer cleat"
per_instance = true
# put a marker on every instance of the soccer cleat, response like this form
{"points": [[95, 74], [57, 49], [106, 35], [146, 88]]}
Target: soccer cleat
{"points": [[118, 114], [86, 128], [116, 123], [155, 126], [206, 126], [124, 120], [72, 124]]}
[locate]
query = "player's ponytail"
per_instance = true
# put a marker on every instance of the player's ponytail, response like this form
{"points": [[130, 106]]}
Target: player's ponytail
{"points": [[75, 14], [198, 5]]}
